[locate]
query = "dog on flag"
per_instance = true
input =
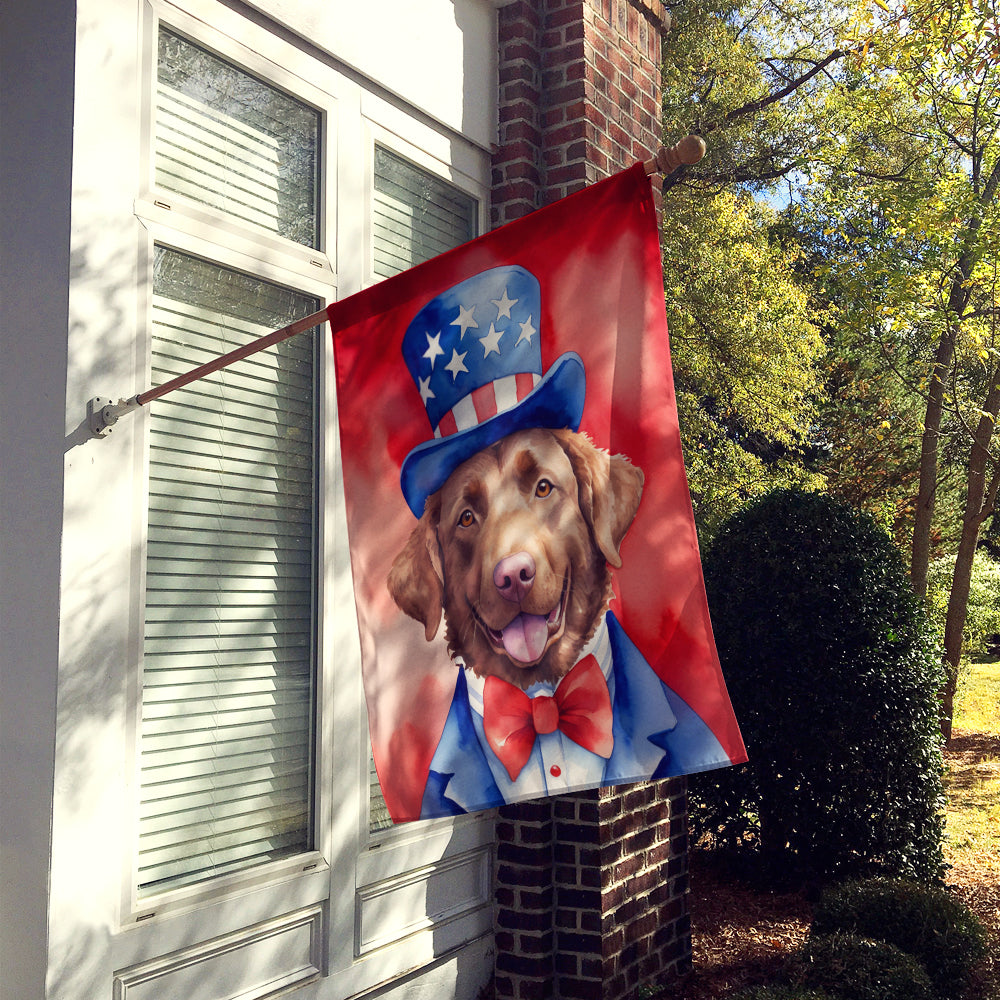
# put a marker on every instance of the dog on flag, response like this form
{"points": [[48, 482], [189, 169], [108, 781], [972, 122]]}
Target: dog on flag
{"points": [[520, 523]]}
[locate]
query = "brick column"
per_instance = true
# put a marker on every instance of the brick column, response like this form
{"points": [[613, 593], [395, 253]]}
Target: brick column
{"points": [[591, 889], [579, 96], [591, 893], [524, 902]]}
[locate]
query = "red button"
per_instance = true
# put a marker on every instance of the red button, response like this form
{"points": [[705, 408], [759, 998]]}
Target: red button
{"points": [[555, 770]]}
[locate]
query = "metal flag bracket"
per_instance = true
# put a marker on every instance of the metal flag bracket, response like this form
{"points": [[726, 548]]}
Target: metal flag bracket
{"points": [[103, 413]]}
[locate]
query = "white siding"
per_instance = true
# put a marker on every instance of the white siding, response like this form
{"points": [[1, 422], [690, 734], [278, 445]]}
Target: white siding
{"points": [[437, 55]]}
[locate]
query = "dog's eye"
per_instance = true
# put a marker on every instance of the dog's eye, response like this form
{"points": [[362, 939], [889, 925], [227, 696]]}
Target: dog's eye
{"points": [[466, 519], [543, 489]]}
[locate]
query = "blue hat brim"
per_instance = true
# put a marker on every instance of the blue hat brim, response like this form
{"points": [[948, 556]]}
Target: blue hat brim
{"points": [[557, 401]]}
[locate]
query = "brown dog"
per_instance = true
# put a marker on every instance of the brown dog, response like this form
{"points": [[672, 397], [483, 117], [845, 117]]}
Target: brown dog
{"points": [[514, 550]]}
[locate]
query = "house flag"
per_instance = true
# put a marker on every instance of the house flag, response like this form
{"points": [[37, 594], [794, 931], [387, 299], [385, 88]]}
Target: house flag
{"points": [[529, 593]]}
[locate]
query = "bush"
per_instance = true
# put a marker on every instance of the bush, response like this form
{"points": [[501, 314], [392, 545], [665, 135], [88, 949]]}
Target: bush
{"points": [[925, 922], [833, 673], [982, 620], [856, 968]]}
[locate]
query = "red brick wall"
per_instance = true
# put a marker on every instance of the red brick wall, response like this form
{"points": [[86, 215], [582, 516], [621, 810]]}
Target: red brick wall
{"points": [[591, 889], [579, 96]]}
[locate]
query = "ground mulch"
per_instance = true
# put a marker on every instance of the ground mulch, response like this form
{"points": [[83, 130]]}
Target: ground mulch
{"points": [[982, 895], [742, 934]]}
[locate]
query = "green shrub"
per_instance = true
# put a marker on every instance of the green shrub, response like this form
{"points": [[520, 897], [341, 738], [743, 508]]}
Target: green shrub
{"points": [[833, 673], [982, 620], [856, 968], [926, 922]]}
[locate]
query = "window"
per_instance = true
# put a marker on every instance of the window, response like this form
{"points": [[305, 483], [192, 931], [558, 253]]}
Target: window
{"points": [[229, 647], [210, 831], [228, 679], [227, 140], [252, 804], [415, 217]]}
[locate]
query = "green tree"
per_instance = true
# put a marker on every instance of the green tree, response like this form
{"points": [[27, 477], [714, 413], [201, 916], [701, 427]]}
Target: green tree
{"points": [[880, 123], [867, 432], [982, 620], [747, 76], [747, 353], [869, 427], [747, 357], [910, 182]]}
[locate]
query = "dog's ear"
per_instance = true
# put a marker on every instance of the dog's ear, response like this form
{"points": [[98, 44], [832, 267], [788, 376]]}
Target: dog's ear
{"points": [[416, 580], [610, 490]]}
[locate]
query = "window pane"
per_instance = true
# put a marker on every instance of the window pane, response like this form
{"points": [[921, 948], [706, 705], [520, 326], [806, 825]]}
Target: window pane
{"points": [[228, 140], [416, 217], [228, 657]]}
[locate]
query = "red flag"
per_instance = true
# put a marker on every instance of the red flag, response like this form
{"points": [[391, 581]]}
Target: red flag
{"points": [[516, 500]]}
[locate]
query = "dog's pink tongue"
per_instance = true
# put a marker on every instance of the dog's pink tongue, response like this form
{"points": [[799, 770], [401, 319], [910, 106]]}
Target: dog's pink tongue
{"points": [[525, 637]]}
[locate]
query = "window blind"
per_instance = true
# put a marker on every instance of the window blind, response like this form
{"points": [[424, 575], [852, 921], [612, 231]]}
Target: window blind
{"points": [[228, 654], [415, 217], [228, 140]]}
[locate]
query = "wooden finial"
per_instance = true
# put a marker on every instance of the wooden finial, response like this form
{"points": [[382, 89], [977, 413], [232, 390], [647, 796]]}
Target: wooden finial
{"points": [[688, 151]]}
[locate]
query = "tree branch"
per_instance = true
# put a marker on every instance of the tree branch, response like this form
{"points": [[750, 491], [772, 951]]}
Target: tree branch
{"points": [[899, 176], [724, 178], [754, 106]]}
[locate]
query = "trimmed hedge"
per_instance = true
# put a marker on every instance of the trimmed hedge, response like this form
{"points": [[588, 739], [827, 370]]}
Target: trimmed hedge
{"points": [[833, 672], [857, 968], [925, 922]]}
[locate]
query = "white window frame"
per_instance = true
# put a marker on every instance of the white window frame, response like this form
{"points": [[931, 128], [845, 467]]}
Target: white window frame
{"points": [[196, 244], [177, 223], [393, 860], [351, 876], [386, 126]]}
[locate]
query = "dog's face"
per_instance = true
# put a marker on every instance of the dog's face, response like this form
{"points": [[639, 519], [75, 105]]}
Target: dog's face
{"points": [[514, 551]]}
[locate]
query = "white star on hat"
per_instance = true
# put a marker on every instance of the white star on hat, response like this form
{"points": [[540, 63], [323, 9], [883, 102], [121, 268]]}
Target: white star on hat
{"points": [[434, 348], [503, 305], [527, 331], [491, 342], [426, 392], [457, 364], [465, 320]]}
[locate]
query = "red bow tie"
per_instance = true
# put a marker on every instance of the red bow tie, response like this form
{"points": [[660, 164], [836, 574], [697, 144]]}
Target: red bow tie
{"points": [[581, 708]]}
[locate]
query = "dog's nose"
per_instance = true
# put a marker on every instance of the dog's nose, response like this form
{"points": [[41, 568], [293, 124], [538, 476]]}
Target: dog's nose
{"points": [[514, 575]]}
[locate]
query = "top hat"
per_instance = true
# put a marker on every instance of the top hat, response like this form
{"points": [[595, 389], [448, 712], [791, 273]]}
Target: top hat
{"points": [[475, 355]]}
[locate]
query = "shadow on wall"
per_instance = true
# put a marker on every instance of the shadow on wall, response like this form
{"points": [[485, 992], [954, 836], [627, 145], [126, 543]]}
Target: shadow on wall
{"points": [[95, 704], [454, 899]]}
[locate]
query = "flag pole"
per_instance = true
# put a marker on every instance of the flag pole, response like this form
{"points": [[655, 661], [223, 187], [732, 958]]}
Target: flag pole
{"points": [[103, 413]]}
